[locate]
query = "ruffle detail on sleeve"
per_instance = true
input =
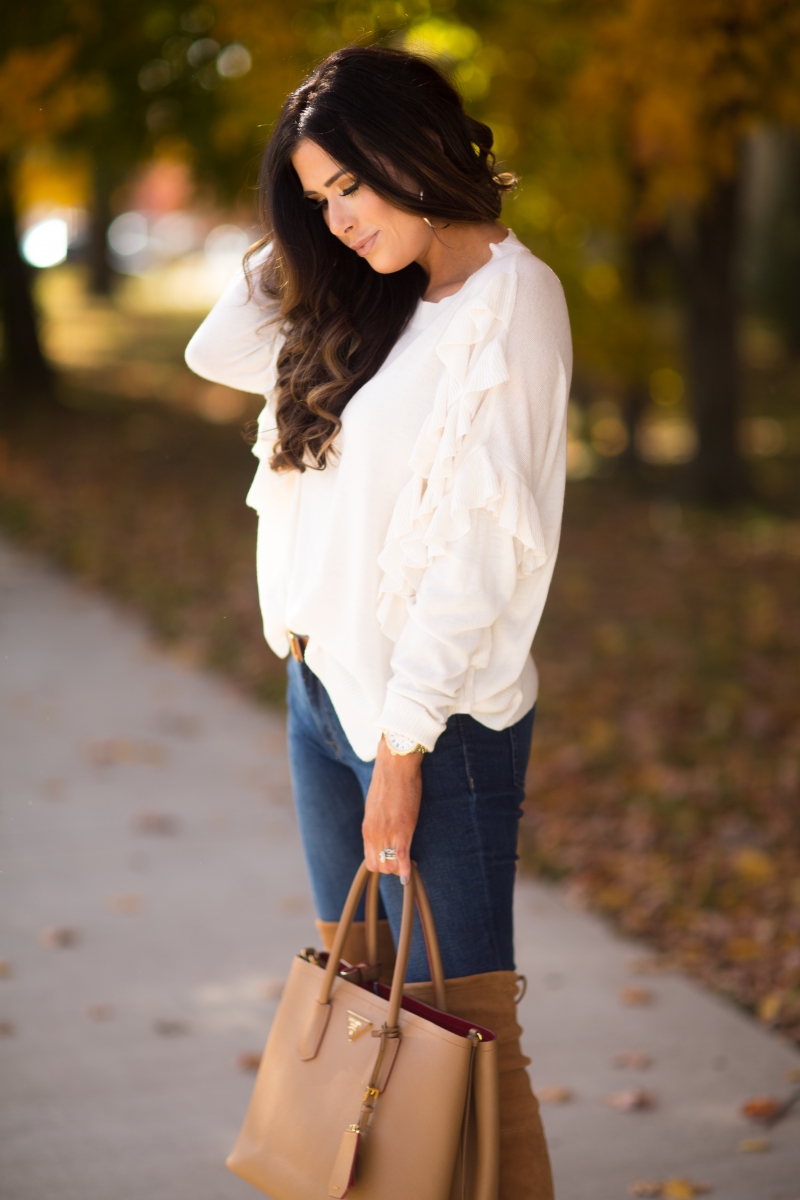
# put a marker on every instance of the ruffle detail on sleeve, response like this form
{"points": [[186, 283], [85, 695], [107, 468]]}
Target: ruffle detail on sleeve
{"points": [[479, 483], [434, 507], [472, 350]]}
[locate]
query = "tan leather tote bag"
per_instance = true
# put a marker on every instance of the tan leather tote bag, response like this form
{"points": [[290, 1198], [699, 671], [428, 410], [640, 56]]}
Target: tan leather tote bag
{"points": [[365, 1092]]}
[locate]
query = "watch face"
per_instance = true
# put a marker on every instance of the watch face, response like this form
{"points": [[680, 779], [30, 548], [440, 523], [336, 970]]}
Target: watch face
{"points": [[403, 745]]}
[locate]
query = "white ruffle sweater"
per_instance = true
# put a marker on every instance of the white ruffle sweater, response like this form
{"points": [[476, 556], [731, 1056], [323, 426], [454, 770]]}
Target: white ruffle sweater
{"points": [[418, 561]]}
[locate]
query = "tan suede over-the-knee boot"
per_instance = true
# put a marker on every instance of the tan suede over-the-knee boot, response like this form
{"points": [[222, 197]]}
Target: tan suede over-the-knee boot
{"points": [[355, 947], [490, 1000]]}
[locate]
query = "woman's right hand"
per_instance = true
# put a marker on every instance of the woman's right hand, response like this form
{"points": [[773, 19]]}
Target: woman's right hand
{"points": [[391, 810]]}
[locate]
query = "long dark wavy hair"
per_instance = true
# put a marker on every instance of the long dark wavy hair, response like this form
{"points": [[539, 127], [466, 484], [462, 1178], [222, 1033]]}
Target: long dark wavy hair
{"points": [[383, 116]]}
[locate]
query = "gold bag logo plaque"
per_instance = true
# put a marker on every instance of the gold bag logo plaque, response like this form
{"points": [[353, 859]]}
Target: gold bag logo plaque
{"points": [[356, 1025]]}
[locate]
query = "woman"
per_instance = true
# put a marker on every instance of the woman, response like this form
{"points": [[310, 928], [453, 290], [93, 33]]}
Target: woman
{"points": [[416, 361]]}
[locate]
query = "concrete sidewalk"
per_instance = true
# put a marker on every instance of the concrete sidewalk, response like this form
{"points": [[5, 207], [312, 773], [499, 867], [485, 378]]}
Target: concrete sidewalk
{"points": [[153, 892]]}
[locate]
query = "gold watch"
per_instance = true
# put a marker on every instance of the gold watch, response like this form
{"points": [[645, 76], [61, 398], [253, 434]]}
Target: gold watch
{"points": [[399, 744]]}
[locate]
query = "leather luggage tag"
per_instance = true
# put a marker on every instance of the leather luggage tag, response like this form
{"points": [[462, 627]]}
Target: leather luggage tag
{"points": [[343, 1176]]}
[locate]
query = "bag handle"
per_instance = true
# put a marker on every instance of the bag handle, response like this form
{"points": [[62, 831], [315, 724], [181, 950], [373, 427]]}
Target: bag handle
{"points": [[431, 943], [373, 895], [428, 930], [414, 891]]}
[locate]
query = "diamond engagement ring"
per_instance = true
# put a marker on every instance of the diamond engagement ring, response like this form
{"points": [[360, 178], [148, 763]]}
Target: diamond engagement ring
{"points": [[389, 855]]}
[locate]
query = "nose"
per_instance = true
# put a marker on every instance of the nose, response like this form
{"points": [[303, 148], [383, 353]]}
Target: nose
{"points": [[340, 222]]}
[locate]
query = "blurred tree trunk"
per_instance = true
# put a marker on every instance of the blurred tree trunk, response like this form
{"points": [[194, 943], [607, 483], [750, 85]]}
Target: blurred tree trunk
{"points": [[708, 265], [101, 274], [25, 365], [637, 398], [645, 248]]}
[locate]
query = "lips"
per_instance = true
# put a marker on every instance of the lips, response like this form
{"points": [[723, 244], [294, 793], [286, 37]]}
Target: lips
{"points": [[363, 247]]}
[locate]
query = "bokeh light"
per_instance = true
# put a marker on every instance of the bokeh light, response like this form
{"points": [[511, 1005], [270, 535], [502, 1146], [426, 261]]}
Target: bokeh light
{"points": [[226, 244], [234, 60], [46, 243], [127, 234], [173, 234]]}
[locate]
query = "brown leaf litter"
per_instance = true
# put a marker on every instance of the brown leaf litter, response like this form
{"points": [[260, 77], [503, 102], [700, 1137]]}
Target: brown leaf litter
{"points": [[162, 824], [249, 1061], [60, 936], [635, 1060], [632, 1100], [555, 1095], [678, 1188]]}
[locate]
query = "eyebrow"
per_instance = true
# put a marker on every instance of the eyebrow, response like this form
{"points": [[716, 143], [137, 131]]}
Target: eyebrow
{"points": [[328, 182]]}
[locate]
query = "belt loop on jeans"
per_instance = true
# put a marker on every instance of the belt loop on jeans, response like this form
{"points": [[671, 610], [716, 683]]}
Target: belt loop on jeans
{"points": [[297, 645]]}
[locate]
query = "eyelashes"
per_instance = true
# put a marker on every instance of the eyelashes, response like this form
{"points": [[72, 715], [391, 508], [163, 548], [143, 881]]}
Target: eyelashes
{"points": [[347, 192]]}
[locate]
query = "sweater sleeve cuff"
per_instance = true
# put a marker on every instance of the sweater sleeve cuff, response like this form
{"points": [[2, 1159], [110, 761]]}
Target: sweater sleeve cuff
{"points": [[412, 720]]}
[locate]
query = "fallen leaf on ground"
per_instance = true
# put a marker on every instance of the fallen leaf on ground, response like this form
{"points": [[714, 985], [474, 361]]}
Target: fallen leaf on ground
{"points": [[674, 1189], [683, 1189], [5, 968], [6, 1028], [633, 996], [761, 1108], [631, 1101], [116, 751], [769, 1006], [99, 1012], [126, 903], [155, 822], [753, 865], [743, 949], [59, 936], [753, 1145], [249, 1061], [554, 1095], [650, 965], [635, 1059], [169, 1027]]}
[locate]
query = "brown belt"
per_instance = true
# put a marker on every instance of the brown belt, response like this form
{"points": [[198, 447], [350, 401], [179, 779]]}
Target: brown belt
{"points": [[297, 645]]}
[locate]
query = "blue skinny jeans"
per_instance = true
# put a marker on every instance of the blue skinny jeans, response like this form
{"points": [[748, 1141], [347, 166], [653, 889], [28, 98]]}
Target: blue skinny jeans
{"points": [[465, 843]]}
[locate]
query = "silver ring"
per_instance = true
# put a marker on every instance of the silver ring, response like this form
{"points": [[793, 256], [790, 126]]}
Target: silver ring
{"points": [[388, 855]]}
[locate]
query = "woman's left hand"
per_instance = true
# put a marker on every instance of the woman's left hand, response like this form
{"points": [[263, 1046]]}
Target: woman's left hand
{"points": [[391, 811]]}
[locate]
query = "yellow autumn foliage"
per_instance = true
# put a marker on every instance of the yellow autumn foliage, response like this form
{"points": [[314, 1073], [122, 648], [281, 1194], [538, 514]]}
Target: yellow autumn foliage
{"points": [[684, 82], [31, 101]]}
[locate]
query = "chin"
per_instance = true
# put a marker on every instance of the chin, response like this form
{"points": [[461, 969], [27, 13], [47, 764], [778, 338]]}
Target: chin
{"points": [[385, 264]]}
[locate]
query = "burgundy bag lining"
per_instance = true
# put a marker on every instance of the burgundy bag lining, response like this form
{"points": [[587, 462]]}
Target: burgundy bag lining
{"points": [[435, 1016], [419, 1009]]}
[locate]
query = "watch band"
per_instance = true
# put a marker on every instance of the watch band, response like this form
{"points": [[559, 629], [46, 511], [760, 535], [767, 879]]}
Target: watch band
{"points": [[401, 745]]}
